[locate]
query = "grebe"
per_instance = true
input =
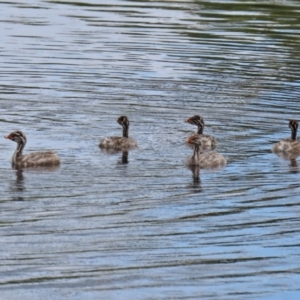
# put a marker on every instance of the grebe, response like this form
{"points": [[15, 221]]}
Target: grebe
{"points": [[119, 143], [207, 142], [205, 160], [289, 148], [35, 159]]}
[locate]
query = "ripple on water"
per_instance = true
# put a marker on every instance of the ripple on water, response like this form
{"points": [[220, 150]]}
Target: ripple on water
{"points": [[142, 225]]}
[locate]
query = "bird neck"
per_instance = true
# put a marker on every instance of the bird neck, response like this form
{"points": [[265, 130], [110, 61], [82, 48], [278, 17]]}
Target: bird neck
{"points": [[18, 153], [125, 131], [200, 128], [294, 133]]}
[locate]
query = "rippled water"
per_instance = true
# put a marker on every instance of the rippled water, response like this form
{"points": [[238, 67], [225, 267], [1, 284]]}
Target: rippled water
{"points": [[99, 228]]}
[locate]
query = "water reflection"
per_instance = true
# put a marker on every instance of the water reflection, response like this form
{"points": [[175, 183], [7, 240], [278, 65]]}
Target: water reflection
{"points": [[196, 178], [18, 185], [294, 168], [124, 156], [234, 62], [196, 172], [287, 156], [124, 159], [38, 169]]}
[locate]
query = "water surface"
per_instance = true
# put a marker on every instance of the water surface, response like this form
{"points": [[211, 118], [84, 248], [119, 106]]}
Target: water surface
{"points": [[97, 227]]}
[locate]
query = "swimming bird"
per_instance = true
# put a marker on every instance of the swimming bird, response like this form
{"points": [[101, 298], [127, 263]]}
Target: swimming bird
{"points": [[289, 148], [119, 143], [35, 159], [207, 142], [205, 160]]}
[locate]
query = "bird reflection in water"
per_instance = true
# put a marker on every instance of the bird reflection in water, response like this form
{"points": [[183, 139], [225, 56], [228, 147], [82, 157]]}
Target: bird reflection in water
{"points": [[196, 178], [288, 156], [294, 168], [20, 180], [18, 186], [124, 157]]}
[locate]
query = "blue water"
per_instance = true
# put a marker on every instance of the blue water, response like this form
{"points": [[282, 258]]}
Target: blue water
{"points": [[99, 228]]}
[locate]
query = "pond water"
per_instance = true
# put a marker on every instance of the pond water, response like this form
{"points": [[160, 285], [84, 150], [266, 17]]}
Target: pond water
{"points": [[100, 228]]}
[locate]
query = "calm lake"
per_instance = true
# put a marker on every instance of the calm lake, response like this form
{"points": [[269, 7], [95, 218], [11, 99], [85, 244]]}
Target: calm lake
{"points": [[104, 227]]}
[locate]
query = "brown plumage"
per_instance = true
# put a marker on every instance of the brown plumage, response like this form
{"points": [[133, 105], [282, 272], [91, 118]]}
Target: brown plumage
{"points": [[289, 148], [119, 143], [205, 160], [35, 159], [207, 142]]}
